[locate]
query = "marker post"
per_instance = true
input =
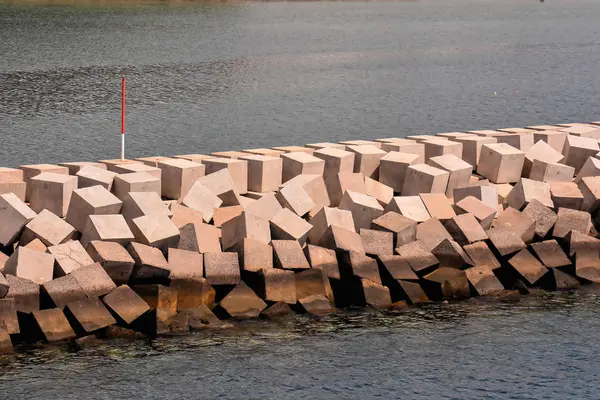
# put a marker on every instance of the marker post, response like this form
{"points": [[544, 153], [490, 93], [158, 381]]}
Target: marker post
{"points": [[122, 119]]}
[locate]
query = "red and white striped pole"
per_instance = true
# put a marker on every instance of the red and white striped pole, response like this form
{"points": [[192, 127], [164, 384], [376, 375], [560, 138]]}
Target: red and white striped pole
{"points": [[122, 119]]}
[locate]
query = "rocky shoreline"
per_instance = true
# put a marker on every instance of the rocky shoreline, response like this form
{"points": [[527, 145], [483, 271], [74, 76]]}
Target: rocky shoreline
{"points": [[158, 245]]}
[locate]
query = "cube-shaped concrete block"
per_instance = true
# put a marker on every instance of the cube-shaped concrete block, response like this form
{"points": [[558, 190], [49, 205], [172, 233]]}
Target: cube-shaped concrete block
{"points": [[472, 147], [137, 167], [325, 145], [528, 267], [225, 214], [451, 254], [481, 211], [16, 188], [63, 290], [203, 200], [482, 256], [152, 161], [364, 208], [366, 159], [569, 220], [178, 176], [52, 192], [516, 130], [323, 259], [551, 254], [483, 280], [229, 154], [47, 227], [29, 171], [155, 230], [423, 178], [185, 264], [93, 200], [418, 257], [92, 176], [286, 225], [138, 204], [459, 170], [242, 303], [11, 175], [423, 138], [541, 151], [409, 206], [590, 188], [336, 161], [591, 167], [431, 233], [111, 164], [315, 187], [353, 264], [264, 173], [516, 221], [299, 163], [361, 142], [254, 255], [556, 139], [550, 172], [377, 242], [438, 206], [325, 218], [294, 149], [108, 228], [151, 265], [381, 192], [505, 240], [526, 190], [343, 182], [222, 268], [14, 215], [501, 163], [266, 207], [264, 152], [521, 141], [404, 229], [221, 184], [392, 168], [69, 257], [76, 166], [135, 182], [407, 147], [245, 226], [238, 170], [30, 264], [275, 285], [567, 195], [295, 198], [577, 150], [88, 316], [126, 304], [439, 147], [113, 258], [488, 194]]}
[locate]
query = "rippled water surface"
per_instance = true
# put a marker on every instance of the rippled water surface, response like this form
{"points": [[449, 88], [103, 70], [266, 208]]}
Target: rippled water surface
{"points": [[214, 77]]}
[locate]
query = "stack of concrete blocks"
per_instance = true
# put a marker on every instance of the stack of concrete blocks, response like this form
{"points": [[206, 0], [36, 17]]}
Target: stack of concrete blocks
{"points": [[169, 244]]}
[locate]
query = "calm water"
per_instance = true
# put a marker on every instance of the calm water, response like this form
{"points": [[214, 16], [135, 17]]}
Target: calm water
{"points": [[224, 77]]}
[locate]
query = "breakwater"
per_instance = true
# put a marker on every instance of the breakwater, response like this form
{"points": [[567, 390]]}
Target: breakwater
{"points": [[158, 245]]}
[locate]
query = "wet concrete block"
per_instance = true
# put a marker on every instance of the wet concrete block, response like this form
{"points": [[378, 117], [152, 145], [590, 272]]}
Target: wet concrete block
{"points": [[312, 282], [482, 256], [264, 173], [566, 195], [26, 294], [459, 170], [30, 264], [481, 211], [221, 184], [277, 310], [366, 159], [451, 254], [472, 147], [201, 317], [505, 240], [93, 176], [561, 281], [587, 265], [418, 256], [446, 283], [94, 280], [62, 291], [551, 254], [6, 346], [178, 176], [412, 292], [136, 182], [245, 226], [376, 242], [88, 316], [301, 163], [374, 294], [8, 316], [52, 192], [113, 258], [94, 200], [340, 239], [242, 303], [410, 207], [288, 254], [69, 256], [126, 304], [571, 220], [353, 264], [222, 268], [465, 229], [439, 147], [254, 255], [326, 217], [483, 280], [295, 198], [286, 225], [201, 199], [364, 208], [392, 168], [550, 172], [155, 230], [544, 217], [438, 206], [150, 264], [577, 150], [526, 190], [54, 325], [404, 229], [501, 163], [423, 178], [527, 267], [108, 228], [343, 182], [517, 222], [323, 259], [273, 285], [193, 293], [316, 305], [14, 215], [431, 232]]}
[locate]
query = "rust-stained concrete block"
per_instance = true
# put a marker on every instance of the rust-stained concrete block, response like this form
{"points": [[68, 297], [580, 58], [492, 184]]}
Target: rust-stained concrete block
{"points": [[162, 300], [340, 239], [222, 268], [126, 304], [366, 159], [481, 211], [289, 255], [483, 280], [423, 178], [300, 163], [94, 280], [242, 302], [238, 170], [264, 173], [482, 256], [26, 294], [543, 216], [135, 182], [376, 242], [63, 290], [92, 176], [87, 316], [286, 225], [150, 264], [326, 217], [527, 267], [30, 264], [14, 215], [551, 254], [571, 220], [47, 227], [501, 163], [312, 282], [526, 190], [465, 229], [54, 325], [109, 228], [459, 170], [403, 228], [410, 207], [155, 230], [93, 200], [578, 149], [178, 176], [245, 226], [323, 259], [566, 195], [364, 208], [392, 168], [69, 256], [52, 192]]}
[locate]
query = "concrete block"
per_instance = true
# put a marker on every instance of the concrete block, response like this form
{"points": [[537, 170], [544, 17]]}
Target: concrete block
{"points": [[422, 178], [8, 315], [277, 310], [364, 208], [108, 228], [518, 222], [266, 207], [53, 325], [152, 161], [136, 182], [482, 256], [591, 167], [274, 285], [13, 175], [446, 283], [438, 147], [337, 161], [556, 139], [374, 294], [193, 293], [431, 233], [353, 264], [296, 199], [483, 280], [300, 163], [75, 167], [111, 164], [47, 227], [550, 172], [52, 192], [340, 239], [542, 127], [541, 151], [312, 282], [161, 299], [379, 191], [423, 138], [30, 264], [580, 242], [16, 188], [586, 266], [406, 147], [264, 173], [409, 206], [483, 191], [404, 229], [30, 171], [505, 240], [472, 147], [325, 218], [521, 141], [460, 171], [92, 176], [202, 199], [245, 226], [137, 167], [413, 292], [438, 206], [3, 286], [222, 185], [590, 188], [89, 315], [63, 290], [516, 130], [294, 149], [25, 293], [392, 169], [578, 149], [155, 230], [323, 259], [543, 216], [289, 255], [14, 215], [418, 256], [501, 163], [94, 280], [113, 257], [286, 225], [377, 242], [93, 200], [184, 264], [315, 187], [562, 281], [126, 304], [366, 159], [264, 152], [567, 195], [450, 254], [254, 255], [527, 267], [225, 214], [526, 190], [69, 256], [481, 211], [242, 303], [569, 220], [138, 204], [178, 176], [582, 130], [465, 229], [325, 145], [393, 268], [342, 183], [229, 154], [222, 268], [551, 254]]}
